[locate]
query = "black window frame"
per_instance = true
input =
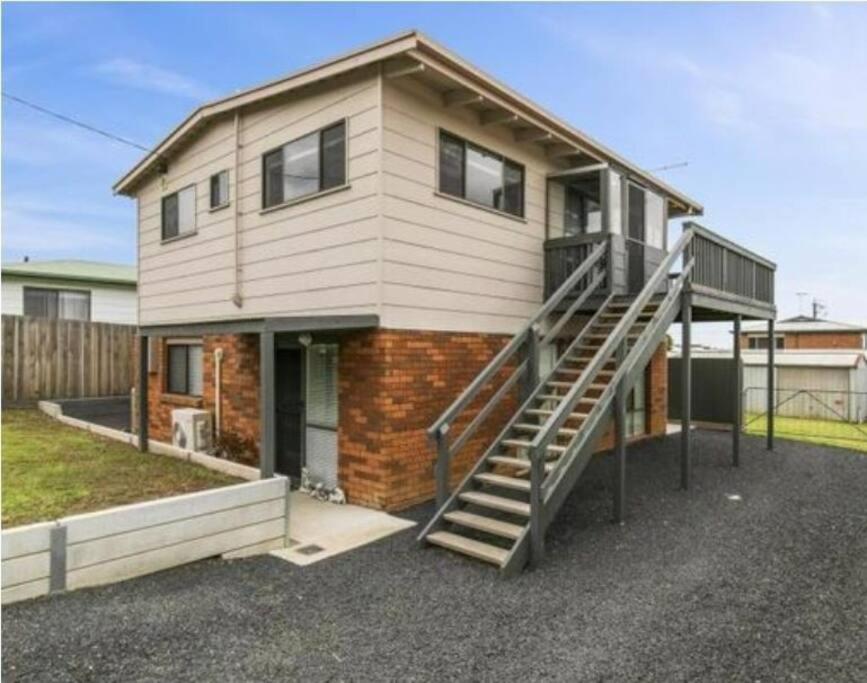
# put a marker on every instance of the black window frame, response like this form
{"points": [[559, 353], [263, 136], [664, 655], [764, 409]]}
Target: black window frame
{"points": [[505, 161], [56, 292], [176, 195], [216, 177], [185, 347], [323, 173]]}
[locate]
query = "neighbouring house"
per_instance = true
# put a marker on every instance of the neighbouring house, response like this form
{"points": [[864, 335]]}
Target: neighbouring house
{"points": [[327, 261], [804, 332], [70, 290]]}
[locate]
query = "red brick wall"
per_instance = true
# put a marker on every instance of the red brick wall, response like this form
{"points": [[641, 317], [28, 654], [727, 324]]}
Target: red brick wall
{"points": [[239, 382], [392, 385]]}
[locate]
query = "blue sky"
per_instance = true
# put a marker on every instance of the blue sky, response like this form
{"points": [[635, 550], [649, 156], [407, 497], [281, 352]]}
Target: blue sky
{"points": [[768, 103]]}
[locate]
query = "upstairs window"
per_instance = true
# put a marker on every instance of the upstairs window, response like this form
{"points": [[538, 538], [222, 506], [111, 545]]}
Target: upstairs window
{"points": [[220, 190], [179, 213], [184, 368], [480, 176], [306, 166], [63, 304]]}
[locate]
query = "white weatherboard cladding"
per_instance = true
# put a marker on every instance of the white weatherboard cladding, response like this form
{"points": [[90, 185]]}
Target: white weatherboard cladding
{"points": [[107, 304]]}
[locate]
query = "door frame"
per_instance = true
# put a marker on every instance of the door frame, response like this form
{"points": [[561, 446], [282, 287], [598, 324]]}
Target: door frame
{"points": [[288, 341]]}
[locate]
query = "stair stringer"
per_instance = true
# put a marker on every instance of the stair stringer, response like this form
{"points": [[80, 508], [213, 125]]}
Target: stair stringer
{"points": [[558, 489]]}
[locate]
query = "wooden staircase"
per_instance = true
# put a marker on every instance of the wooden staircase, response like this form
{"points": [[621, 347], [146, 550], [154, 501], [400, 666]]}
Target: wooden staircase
{"points": [[501, 510]]}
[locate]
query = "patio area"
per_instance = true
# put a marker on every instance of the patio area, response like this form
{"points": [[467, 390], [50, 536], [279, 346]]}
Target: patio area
{"points": [[758, 573]]}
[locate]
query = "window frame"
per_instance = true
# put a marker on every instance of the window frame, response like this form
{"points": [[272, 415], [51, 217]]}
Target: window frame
{"points": [[320, 191], [57, 291], [185, 344], [179, 235], [504, 160], [228, 200]]}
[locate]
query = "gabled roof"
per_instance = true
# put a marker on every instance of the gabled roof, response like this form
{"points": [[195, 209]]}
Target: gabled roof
{"points": [[74, 270], [419, 51], [803, 324]]}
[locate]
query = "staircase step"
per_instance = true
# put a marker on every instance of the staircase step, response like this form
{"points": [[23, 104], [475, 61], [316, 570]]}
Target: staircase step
{"points": [[468, 546], [521, 463], [537, 428], [569, 371], [546, 413], [559, 397], [569, 385], [487, 500], [520, 443], [489, 525], [501, 480]]}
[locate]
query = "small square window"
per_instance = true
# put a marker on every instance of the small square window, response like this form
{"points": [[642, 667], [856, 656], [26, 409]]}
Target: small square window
{"points": [[220, 189], [179, 213], [184, 369]]}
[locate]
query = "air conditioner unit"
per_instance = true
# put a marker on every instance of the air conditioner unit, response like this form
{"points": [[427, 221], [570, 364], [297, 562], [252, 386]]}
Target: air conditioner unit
{"points": [[191, 429]]}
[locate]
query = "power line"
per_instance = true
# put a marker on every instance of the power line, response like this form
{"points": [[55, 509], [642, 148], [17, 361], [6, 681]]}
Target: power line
{"points": [[679, 164], [74, 122]]}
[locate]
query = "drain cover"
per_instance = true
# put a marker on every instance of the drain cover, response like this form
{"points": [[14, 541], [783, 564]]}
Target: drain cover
{"points": [[311, 549]]}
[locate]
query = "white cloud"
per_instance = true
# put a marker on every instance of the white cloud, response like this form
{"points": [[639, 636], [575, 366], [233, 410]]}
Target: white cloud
{"points": [[134, 74]]}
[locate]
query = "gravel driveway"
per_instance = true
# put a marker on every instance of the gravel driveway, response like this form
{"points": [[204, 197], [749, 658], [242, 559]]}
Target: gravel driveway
{"points": [[696, 586]]}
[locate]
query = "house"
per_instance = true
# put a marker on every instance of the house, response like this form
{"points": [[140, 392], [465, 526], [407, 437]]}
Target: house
{"points": [[342, 263], [804, 332], [70, 290]]}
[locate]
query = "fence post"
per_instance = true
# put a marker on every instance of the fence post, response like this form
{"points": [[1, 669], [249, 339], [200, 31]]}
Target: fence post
{"points": [[143, 376], [57, 558]]}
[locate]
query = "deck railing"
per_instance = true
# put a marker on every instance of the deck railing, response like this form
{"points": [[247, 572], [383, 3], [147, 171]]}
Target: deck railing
{"points": [[564, 254], [723, 266]]}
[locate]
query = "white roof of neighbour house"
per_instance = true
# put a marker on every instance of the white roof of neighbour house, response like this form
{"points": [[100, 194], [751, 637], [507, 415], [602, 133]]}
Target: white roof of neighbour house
{"points": [[792, 358], [414, 48], [97, 272], [803, 324]]}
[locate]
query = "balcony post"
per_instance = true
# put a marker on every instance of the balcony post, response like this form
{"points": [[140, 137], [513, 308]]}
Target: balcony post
{"points": [[738, 390], [142, 396], [267, 405], [619, 408], [771, 397], [686, 390]]}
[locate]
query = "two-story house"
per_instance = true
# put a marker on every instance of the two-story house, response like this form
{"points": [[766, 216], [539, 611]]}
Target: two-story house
{"points": [[347, 247]]}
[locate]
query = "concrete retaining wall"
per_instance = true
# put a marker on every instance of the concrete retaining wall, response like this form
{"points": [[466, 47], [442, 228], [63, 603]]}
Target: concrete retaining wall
{"points": [[132, 540]]}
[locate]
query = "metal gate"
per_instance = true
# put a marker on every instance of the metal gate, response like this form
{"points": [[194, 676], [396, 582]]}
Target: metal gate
{"points": [[832, 418]]}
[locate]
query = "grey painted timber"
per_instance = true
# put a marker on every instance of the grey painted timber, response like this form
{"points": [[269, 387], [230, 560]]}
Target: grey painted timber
{"points": [[142, 395], [267, 404], [737, 390]]}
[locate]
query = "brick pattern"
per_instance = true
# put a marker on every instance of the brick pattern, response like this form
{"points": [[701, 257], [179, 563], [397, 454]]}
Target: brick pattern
{"points": [[239, 383], [392, 385]]}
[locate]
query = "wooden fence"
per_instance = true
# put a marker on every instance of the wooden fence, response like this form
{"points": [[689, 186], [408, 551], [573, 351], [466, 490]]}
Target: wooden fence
{"points": [[45, 358]]}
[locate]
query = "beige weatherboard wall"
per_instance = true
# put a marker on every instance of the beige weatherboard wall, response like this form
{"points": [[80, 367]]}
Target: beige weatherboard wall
{"points": [[387, 243]]}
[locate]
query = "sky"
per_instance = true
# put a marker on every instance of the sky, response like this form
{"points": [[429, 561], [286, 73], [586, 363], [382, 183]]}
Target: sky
{"points": [[767, 103]]}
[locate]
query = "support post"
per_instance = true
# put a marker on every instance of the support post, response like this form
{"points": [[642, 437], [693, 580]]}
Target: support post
{"points": [[266, 405], [537, 533], [531, 377], [686, 390], [771, 388], [142, 395], [443, 465], [738, 391], [619, 408]]}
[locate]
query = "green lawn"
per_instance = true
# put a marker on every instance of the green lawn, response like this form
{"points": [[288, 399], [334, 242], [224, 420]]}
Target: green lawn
{"points": [[51, 470], [823, 432]]}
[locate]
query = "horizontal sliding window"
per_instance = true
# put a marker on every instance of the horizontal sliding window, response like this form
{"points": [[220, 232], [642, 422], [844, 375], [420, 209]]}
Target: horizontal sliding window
{"points": [[480, 176], [311, 164], [179, 213], [63, 304]]}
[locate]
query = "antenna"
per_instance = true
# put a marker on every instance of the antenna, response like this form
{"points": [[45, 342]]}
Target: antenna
{"points": [[819, 308], [668, 167]]}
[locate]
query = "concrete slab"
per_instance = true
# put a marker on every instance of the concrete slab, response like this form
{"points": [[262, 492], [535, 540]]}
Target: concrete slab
{"points": [[319, 530]]}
